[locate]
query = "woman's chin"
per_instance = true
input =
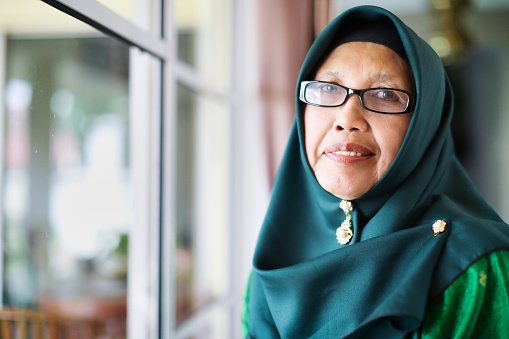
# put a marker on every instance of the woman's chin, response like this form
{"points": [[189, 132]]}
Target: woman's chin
{"points": [[345, 191]]}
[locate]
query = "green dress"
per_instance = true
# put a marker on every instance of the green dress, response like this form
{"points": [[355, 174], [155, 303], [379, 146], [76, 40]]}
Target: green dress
{"points": [[474, 306], [428, 256]]}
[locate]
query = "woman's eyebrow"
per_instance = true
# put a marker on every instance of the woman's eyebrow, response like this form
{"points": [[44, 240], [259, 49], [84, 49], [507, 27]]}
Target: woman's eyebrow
{"points": [[333, 73], [329, 73], [383, 77], [379, 76]]}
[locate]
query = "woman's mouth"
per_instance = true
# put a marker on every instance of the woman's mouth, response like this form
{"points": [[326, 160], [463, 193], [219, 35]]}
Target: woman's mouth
{"points": [[351, 154], [348, 153]]}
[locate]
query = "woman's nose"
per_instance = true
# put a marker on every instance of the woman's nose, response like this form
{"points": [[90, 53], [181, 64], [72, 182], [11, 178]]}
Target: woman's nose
{"points": [[350, 116]]}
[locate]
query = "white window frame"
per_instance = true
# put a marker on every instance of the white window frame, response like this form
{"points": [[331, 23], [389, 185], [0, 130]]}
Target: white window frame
{"points": [[151, 291]]}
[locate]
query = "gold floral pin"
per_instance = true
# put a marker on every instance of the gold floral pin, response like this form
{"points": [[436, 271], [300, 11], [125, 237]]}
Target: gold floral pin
{"points": [[344, 233], [438, 227]]}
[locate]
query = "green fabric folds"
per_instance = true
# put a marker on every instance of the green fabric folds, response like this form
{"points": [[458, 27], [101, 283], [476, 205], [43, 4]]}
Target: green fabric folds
{"points": [[476, 305], [305, 285]]}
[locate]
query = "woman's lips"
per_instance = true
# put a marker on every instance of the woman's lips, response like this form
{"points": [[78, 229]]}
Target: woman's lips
{"points": [[348, 153]]}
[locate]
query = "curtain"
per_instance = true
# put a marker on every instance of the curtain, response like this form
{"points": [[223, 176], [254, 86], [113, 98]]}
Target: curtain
{"points": [[285, 33]]}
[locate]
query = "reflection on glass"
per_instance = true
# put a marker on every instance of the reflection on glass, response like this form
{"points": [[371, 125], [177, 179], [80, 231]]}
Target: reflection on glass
{"points": [[66, 178], [202, 194], [204, 38]]}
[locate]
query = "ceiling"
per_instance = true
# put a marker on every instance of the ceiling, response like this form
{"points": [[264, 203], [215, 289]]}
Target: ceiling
{"points": [[34, 16], [409, 7], [37, 17]]}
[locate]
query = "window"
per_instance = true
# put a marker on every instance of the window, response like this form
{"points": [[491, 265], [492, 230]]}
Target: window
{"points": [[67, 187], [202, 225], [66, 177], [119, 172]]}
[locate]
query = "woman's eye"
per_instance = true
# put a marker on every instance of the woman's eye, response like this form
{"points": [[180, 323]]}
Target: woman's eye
{"points": [[329, 88], [387, 95]]}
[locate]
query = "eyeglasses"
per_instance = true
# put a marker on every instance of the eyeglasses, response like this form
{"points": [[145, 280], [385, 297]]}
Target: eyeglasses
{"points": [[379, 100]]}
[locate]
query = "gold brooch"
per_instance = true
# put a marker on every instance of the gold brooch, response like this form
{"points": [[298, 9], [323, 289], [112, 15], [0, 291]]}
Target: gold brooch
{"points": [[483, 278], [344, 233], [438, 227]]}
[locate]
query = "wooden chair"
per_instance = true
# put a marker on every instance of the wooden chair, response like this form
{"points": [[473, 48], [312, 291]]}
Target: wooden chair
{"points": [[36, 324]]}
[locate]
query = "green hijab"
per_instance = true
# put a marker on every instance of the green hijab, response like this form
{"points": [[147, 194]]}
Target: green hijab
{"points": [[306, 285]]}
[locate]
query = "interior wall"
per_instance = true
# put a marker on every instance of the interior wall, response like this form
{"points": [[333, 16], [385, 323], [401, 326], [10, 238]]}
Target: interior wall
{"points": [[485, 84]]}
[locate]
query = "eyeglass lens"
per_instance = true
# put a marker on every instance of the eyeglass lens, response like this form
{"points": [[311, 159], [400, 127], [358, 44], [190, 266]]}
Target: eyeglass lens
{"points": [[382, 100]]}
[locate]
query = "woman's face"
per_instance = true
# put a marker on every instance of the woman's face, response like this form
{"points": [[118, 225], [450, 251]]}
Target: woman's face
{"points": [[348, 147]]}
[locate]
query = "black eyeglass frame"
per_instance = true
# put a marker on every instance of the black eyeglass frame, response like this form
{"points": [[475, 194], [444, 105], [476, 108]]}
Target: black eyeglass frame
{"points": [[360, 92]]}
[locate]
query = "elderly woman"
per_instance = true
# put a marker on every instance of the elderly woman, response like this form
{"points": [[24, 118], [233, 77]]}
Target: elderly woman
{"points": [[374, 230]]}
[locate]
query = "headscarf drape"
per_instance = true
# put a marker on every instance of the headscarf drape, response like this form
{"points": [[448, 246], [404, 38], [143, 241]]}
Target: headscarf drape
{"points": [[306, 285]]}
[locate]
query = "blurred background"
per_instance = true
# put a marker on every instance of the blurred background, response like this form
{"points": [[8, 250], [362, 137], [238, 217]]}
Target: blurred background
{"points": [[139, 140]]}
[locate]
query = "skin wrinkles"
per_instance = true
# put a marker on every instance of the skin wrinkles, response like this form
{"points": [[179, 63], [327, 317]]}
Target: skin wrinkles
{"points": [[386, 79], [357, 65]]}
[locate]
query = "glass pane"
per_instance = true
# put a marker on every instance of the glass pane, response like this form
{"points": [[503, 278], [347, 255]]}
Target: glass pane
{"points": [[26, 16], [66, 186], [204, 38], [37, 17], [202, 194], [214, 328], [124, 8]]}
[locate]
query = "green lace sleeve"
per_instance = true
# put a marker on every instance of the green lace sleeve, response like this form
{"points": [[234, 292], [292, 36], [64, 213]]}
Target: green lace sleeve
{"points": [[476, 305], [245, 311]]}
